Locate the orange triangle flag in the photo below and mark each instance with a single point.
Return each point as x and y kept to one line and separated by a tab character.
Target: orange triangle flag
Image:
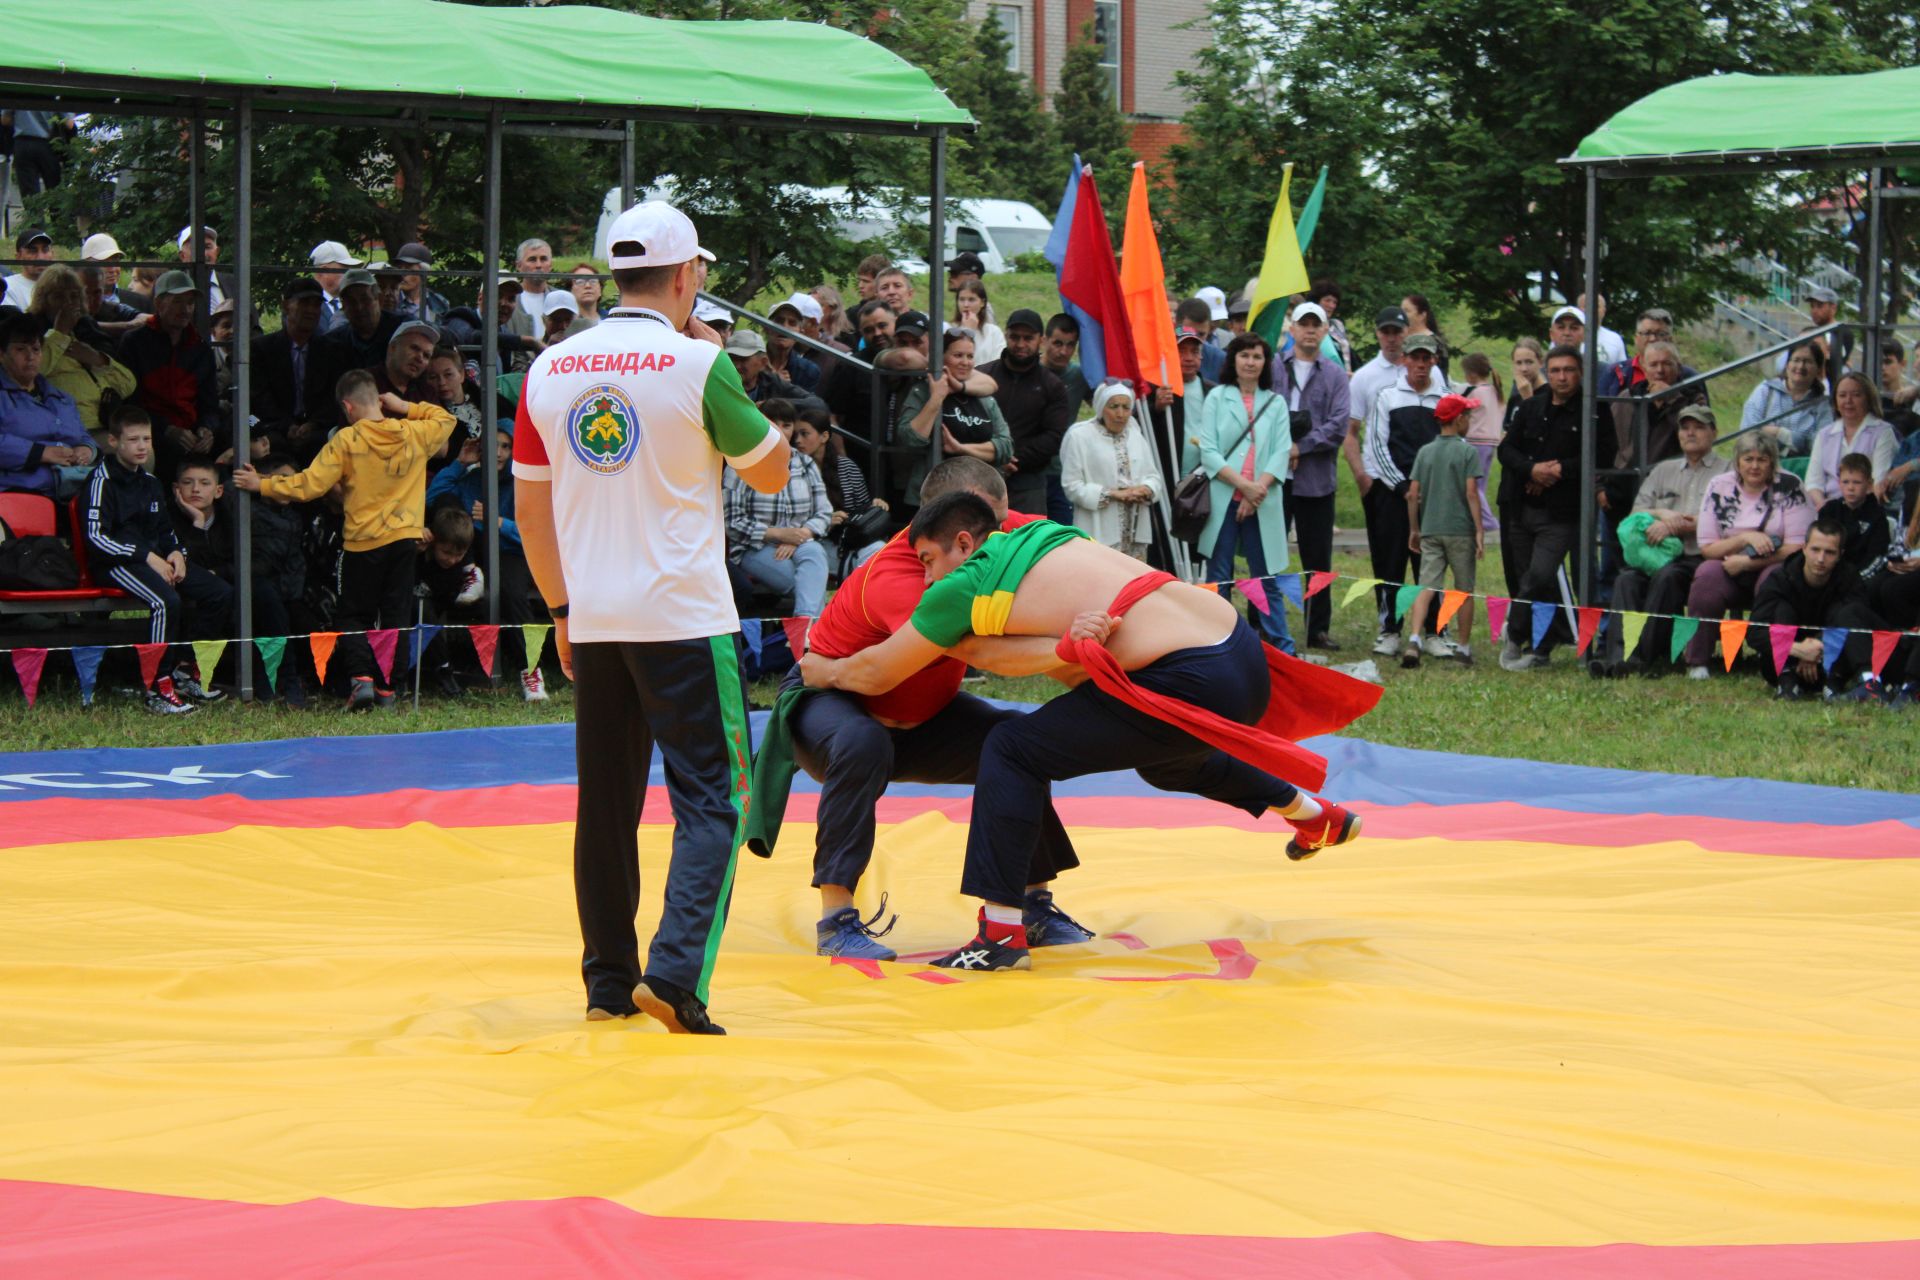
1450	603
322	642
1143	285
1733	633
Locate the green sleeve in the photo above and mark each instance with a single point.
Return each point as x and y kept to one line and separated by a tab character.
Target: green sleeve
734	423
945	613
910	406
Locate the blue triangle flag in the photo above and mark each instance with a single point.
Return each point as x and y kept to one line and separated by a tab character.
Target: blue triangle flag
750	632
1832	641
1542	621
1293	588
417	642
86	665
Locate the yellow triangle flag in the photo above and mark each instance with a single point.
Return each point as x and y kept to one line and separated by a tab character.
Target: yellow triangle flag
206	656
1631	625
536	637
1282	271
1358	588
1449	605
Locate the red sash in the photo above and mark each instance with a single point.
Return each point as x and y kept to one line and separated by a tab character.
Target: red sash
1304	700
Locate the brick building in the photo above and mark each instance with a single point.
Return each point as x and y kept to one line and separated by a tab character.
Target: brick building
1144	43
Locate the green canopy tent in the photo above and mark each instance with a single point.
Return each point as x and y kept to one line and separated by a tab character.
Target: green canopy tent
563	70
1733	124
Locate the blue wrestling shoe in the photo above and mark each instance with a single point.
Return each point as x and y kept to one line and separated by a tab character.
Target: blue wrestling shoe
1049	926
844	933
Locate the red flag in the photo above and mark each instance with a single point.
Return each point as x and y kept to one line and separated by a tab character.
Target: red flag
150	655
1883	645
28	664
1090	279
1589	616
485	640
796	629
1318	581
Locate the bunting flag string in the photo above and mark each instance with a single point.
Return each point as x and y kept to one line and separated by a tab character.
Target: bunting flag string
273	650
28	664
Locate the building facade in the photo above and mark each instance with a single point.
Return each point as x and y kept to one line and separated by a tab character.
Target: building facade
1143	42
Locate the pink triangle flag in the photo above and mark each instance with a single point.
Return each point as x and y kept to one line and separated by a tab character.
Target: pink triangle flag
384	641
1781	635
28	664
1256	593
1497	615
486	640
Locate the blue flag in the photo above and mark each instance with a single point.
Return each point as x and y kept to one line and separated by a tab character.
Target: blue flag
1542	619
417	642
1832	641
1093	339
1291	586
750	632
86	664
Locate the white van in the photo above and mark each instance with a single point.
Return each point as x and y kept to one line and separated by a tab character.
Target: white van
998	230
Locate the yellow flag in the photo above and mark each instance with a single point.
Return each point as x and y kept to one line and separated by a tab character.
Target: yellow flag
1358	588
536	638
1631	625
1282	272
206	656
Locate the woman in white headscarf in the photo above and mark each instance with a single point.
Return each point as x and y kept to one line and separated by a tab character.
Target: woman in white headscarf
1110	474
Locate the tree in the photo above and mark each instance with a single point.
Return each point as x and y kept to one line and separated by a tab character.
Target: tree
1091	125
1016	155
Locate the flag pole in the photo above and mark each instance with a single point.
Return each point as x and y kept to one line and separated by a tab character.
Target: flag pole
1176	549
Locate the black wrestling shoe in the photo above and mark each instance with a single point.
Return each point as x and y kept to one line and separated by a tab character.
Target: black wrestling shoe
674	1008
984	954
1049	926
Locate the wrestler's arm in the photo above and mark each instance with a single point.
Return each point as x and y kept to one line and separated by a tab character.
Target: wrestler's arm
1010	655
875	669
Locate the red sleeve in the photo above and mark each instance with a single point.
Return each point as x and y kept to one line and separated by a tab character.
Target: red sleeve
528	446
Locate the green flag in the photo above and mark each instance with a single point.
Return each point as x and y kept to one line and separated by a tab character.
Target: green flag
272	649
1403	600
1310	211
1683	629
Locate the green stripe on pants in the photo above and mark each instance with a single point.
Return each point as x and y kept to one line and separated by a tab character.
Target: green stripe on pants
733	721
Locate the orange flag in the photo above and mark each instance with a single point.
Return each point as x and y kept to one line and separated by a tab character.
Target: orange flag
322	642
1143	287
1733	632
1450	603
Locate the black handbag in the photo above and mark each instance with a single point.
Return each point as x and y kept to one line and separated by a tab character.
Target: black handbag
865	527
1193	500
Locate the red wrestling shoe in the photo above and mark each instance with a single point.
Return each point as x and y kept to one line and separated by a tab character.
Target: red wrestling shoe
1335	825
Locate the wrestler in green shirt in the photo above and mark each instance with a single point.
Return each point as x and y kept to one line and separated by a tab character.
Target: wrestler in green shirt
977	597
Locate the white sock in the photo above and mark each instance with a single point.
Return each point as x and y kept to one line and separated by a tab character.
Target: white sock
1303	809
1003	915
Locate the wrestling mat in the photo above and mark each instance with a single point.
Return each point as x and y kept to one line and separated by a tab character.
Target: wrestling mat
311	1009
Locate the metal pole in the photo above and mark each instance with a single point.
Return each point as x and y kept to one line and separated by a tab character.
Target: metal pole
626	165
197	210
1589	388
936	279
243	375
1873	311
1176	549
490	363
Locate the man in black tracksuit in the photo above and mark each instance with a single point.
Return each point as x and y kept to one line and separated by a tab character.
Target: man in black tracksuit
1540	487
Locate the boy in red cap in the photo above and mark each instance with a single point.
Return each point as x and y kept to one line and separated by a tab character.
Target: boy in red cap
1443	508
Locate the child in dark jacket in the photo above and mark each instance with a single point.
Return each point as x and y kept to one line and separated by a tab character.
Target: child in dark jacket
130	536
1868	534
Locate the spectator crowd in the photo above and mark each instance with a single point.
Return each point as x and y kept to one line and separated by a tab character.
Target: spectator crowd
369	406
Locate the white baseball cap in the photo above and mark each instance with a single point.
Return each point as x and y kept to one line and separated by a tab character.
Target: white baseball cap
1216	300
561	300
1575	312
711	313
329	251
1309	309
665	235
100	247
186	233
806	304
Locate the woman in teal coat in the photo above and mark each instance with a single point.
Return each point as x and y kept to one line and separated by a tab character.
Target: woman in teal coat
1249	515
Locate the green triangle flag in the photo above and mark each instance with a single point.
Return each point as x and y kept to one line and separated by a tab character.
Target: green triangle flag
1683	629
1357	588
536	635
1631	625
1403	600
206	656
272	649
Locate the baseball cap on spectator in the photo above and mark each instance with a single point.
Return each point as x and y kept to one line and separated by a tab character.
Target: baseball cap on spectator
711	313
171	282
414	326
745	342
665	235
966	264
1184	334
186	233
224	307
1422	342
331	253
1820	293
806	304
1216	300
100	247
302	287
508	282
357	276
1305	309
1575	312
911	322
33	235
414	254
1239	304
1026	318
1390	318
561	300
1696	413
1450	406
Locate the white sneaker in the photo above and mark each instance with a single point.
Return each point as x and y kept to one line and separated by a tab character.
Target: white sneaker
1513	657
1437	646
533	686
1387	643
473	585
1699	673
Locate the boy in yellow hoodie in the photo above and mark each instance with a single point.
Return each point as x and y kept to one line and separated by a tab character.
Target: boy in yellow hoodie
381	463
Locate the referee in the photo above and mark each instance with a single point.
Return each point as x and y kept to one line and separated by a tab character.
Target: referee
617	451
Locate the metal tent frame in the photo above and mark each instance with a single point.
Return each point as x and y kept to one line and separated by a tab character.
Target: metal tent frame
249	106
